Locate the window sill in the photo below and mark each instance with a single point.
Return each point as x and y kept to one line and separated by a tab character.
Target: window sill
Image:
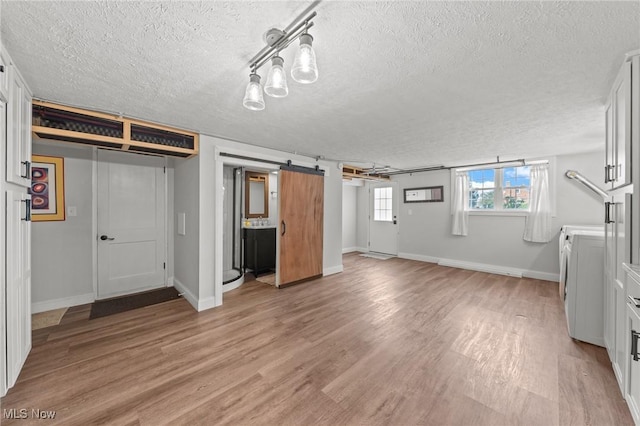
497	213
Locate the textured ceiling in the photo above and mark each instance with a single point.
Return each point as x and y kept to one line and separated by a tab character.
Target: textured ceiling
405	84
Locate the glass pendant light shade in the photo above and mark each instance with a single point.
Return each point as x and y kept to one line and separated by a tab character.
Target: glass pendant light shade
253	98
276	85
304	69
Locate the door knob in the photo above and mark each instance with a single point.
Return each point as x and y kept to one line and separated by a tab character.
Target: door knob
105	238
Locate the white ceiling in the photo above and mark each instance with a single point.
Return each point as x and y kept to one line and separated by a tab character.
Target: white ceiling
406	84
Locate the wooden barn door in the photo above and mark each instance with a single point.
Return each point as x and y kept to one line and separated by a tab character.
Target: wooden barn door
301	225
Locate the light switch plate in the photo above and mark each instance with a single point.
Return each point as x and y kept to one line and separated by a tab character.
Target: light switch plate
182	227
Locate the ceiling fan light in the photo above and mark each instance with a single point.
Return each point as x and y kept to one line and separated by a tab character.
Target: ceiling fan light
305	69
276	85
253	98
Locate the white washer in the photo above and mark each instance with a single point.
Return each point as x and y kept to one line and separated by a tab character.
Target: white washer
583	301
565	232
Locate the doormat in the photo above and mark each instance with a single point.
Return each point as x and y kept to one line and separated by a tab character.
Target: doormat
267	279
47	319
102	308
378	256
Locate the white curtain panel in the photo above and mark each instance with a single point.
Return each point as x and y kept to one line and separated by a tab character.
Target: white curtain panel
538	226
460	219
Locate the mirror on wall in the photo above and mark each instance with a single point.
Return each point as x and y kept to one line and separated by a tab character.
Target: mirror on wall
256	195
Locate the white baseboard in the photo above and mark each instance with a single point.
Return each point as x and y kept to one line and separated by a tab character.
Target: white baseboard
182	289
332	270
65	302
419	257
545	276
482	267
198	304
362	249
349	250
208	303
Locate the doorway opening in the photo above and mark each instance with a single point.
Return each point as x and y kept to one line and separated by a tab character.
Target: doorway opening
232	217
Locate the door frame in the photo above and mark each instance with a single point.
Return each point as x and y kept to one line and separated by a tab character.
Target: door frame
94	219
396	210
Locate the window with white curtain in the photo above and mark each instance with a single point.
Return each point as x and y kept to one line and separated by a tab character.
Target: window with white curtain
500	189
383	204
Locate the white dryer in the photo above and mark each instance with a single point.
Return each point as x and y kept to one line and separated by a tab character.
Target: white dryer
565	232
584	286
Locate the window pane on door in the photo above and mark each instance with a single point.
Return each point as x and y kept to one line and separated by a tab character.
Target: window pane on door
382	204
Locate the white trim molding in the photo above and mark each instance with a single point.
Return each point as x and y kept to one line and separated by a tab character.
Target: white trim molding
184	291
483	267
418	257
332	270
544	276
349	250
65	302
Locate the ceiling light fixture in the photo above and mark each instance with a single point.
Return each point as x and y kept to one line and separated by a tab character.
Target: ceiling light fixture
304	70
253	98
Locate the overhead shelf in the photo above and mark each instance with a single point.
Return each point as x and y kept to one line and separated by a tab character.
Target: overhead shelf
75	125
352	172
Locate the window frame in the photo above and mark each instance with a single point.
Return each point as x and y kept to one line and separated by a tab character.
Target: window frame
510	212
388	201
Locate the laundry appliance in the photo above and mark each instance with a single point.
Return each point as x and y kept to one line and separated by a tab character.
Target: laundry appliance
583	289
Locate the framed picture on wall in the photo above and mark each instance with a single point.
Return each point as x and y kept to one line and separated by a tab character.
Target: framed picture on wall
47	188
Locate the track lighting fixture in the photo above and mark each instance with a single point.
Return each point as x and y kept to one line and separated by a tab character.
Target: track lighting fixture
304	69
253	98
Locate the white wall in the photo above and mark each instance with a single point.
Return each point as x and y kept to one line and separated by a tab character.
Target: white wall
425	234
186	201
332	244
349	211
62	251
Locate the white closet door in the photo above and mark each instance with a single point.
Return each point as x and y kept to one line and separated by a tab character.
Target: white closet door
131	223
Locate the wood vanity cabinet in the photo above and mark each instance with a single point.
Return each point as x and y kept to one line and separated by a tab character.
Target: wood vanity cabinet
259	249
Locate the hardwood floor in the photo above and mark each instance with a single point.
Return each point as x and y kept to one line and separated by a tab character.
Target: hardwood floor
385	342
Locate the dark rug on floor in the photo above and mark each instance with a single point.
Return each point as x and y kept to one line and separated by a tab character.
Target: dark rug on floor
102	308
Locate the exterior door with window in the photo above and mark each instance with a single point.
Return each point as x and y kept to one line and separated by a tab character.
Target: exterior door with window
383	223
131	223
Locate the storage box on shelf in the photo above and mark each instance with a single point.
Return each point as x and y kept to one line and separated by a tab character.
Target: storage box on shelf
75	125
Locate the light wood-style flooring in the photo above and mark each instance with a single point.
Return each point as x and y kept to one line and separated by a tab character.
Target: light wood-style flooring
393	342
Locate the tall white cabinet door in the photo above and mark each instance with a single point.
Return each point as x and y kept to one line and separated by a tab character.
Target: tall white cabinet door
3	328
18	132
4	76
131	223
633	384
621	99
18	282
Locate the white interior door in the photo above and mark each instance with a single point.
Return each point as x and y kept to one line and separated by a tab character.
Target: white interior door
131	223
383	223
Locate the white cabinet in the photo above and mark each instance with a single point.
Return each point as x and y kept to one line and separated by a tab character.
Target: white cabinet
632	387
18	282
4	76
618	129
18	131
15	225
622	239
